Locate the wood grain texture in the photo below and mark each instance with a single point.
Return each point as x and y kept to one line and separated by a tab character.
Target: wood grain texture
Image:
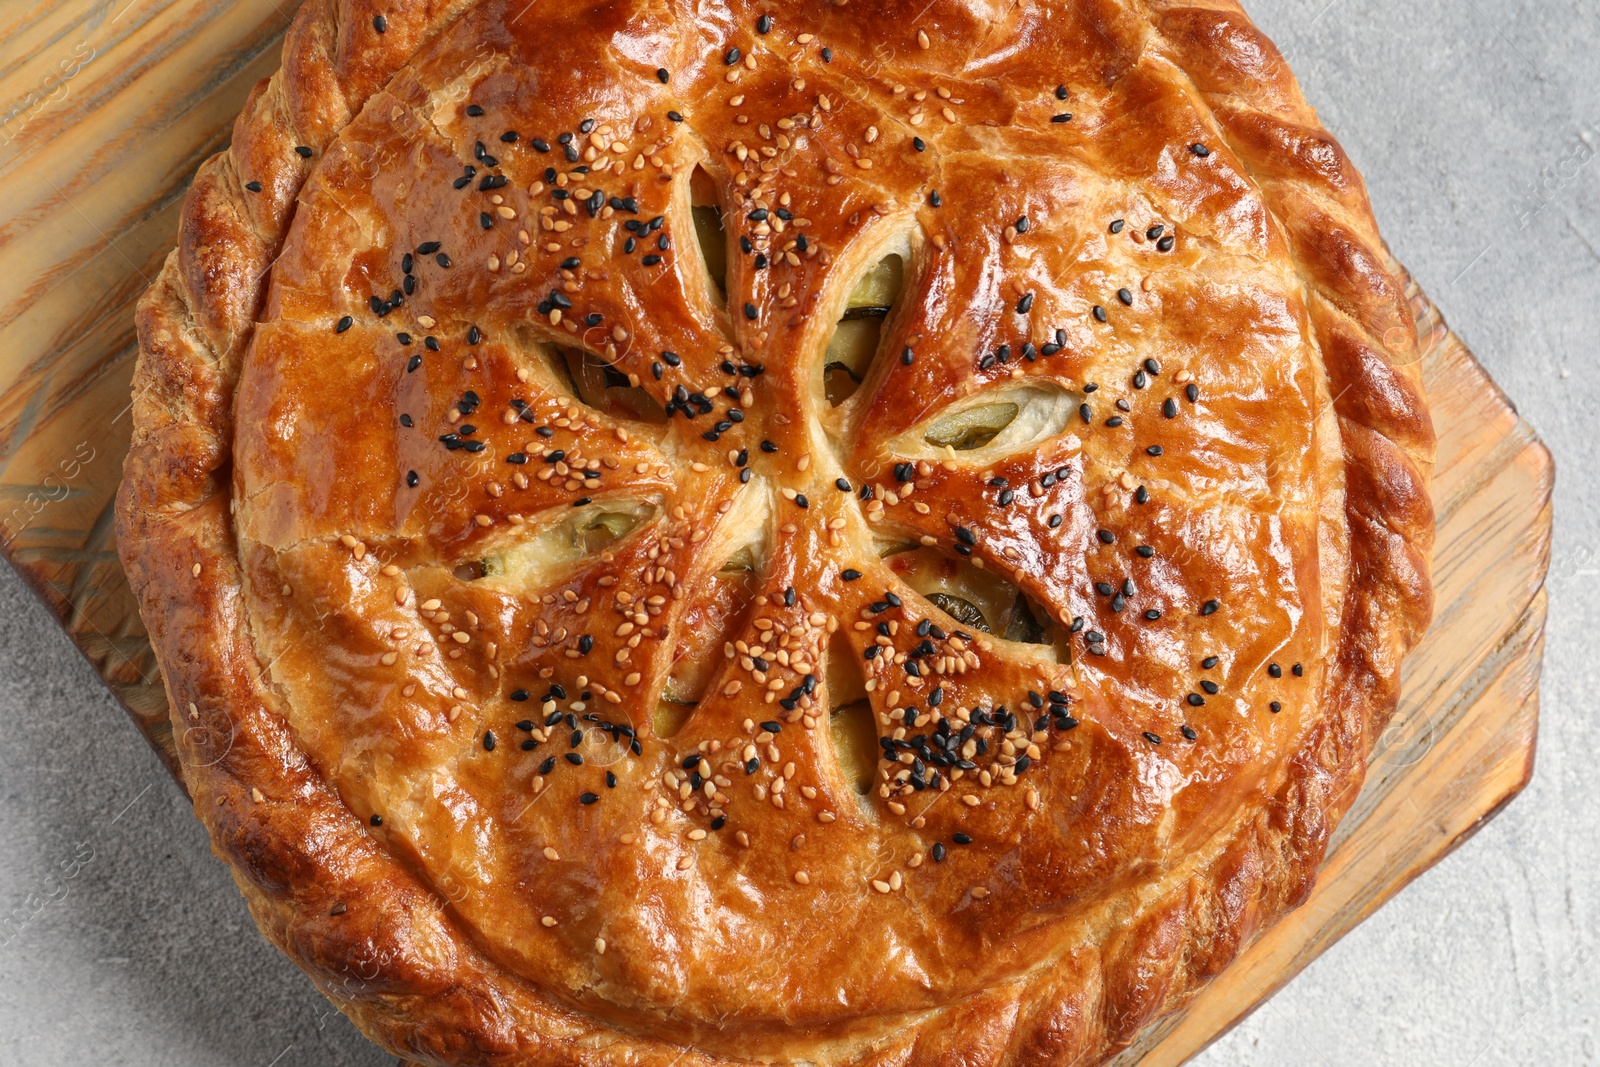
107	107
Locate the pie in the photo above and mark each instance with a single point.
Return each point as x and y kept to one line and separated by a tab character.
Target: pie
822	533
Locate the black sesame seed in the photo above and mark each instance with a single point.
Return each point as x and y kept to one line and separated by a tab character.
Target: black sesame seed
1276	707
1210	607
380	24
961	839
764	24
412	479
1200	150
1116	225
1209	662
850	574
488	741
1025	305
1188	732
934	199
343	324
919	144
587	798
1152	614
254	187
1165	244
733	56
1154	739
1099	313
1275	670
1145	551
661	73
302	151
750	311
1106	537
1153	450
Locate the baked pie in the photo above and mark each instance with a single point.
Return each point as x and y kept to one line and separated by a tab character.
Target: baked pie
822	533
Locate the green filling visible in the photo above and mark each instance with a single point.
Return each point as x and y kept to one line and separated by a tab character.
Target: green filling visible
713	243
971	428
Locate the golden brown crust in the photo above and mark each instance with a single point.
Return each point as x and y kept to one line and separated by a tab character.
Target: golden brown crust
275	557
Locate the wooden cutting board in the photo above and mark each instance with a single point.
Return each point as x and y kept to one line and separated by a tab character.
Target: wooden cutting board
108	106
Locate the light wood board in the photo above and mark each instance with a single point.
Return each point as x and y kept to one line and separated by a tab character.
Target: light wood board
108	106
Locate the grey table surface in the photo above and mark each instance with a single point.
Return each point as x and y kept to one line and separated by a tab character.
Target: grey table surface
1476	123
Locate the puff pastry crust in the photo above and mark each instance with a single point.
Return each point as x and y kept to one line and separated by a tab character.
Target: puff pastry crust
574	668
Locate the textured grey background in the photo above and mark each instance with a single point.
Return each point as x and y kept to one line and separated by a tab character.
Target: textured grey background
1475	123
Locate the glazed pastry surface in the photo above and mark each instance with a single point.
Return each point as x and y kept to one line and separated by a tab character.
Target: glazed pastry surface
844	534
